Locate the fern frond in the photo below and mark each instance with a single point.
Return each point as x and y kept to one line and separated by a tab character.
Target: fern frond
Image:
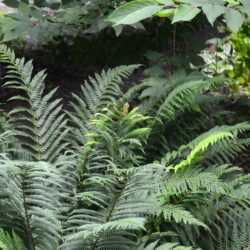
209	141
30	202
120	204
180	97
115	137
11	242
38	121
96	93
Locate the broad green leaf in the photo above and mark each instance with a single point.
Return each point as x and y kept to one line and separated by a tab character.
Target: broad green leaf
246	7
165	2
165	13
24	8
134	12
201	2
9	24
212	11
185	12
234	19
138	26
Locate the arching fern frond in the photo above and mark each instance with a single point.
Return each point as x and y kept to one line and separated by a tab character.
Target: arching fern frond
176	96
210	142
183	96
38	121
220	211
165	246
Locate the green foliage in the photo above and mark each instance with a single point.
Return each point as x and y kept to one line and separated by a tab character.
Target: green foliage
230	56
234	12
109	182
97	93
46	22
12	242
41	21
33	211
38	122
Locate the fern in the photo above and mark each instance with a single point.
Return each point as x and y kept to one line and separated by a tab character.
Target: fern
111	186
174	98
123	204
10	242
212	140
38	122
166	246
33	211
96	93
115	137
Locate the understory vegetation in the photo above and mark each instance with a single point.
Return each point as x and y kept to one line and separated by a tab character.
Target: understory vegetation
101	174
159	162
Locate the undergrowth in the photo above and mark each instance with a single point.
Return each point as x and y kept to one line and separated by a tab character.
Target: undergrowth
104	173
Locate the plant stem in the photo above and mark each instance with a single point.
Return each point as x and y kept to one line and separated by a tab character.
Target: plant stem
30	239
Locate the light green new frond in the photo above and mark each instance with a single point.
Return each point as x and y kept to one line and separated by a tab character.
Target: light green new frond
209	143
10	242
202	145
97	93
117	136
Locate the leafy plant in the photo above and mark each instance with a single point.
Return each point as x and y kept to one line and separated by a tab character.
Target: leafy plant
234	12
230	56
120	176
42	21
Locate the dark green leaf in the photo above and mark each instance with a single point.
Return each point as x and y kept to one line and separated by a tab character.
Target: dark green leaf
11	3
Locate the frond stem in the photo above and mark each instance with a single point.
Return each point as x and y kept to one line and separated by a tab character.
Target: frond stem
111	211
31	242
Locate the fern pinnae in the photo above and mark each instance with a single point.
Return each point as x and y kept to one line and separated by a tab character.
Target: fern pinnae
41	115
97	93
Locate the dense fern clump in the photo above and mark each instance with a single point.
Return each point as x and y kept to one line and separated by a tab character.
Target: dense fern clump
103	173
